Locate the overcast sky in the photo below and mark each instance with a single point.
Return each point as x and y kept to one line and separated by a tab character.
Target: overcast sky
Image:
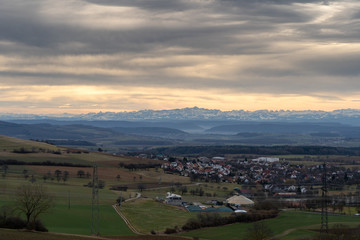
116	55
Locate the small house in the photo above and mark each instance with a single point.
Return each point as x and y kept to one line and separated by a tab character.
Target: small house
173	199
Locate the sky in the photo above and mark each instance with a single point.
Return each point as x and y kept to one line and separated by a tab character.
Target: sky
81	56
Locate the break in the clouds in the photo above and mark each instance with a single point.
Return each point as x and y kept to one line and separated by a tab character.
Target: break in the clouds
135	54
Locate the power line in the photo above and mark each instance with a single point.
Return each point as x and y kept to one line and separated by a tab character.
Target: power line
324	204
95	212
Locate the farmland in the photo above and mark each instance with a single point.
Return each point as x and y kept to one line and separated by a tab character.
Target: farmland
147	215
8	234
286	220
46	165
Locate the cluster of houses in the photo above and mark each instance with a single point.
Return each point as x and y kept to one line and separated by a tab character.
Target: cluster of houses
217	167
280	178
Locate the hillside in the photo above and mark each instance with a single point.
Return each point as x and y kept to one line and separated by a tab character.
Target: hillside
124	136
329	129
180	125
82	134
41	157
8	144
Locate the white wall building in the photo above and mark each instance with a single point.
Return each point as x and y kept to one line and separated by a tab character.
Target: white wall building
265	160
173	199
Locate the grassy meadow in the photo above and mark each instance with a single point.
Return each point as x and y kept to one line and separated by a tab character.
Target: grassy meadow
72	192
9	234
77	220
71	213
299	221
147	215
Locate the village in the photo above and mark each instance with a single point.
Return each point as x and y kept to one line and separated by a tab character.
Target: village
277	178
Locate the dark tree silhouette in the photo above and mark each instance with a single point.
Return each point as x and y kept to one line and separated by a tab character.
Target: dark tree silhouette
32	200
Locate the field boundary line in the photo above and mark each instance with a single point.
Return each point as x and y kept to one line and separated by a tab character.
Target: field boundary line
79	235
132	228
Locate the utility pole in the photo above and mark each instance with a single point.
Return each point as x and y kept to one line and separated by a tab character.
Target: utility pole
69	199
324	203
95	213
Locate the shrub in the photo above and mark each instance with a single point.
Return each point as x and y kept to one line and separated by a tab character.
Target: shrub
170	230
14	223
39	226
266	205
214	219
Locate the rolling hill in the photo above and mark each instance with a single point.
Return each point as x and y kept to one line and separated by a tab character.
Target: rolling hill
89	135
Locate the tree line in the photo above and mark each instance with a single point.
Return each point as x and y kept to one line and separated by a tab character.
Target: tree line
260	150
215	219
44	163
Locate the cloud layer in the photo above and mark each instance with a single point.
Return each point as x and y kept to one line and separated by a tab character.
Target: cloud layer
165	54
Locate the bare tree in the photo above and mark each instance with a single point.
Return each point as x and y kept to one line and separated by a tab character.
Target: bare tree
58	172
33	200
4	169
66	176
141	187
81	173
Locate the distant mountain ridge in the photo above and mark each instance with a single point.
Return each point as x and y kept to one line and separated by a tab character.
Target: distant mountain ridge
78	134
348	116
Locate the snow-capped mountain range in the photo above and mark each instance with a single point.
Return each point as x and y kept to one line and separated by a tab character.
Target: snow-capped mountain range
349	116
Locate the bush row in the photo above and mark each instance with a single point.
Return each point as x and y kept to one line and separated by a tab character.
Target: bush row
18	223
215	219
45	163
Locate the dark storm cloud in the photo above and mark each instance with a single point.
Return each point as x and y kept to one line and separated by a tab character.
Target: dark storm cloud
27	27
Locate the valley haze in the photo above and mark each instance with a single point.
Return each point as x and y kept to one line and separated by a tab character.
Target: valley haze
137	130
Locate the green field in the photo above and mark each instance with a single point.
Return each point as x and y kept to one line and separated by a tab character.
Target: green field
8	234
61	192
147	215
77	220
144	214
286	220
296	234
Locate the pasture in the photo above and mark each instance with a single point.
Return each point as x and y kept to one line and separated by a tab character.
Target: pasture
9	234
147	215
71	213
77	220
299	221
